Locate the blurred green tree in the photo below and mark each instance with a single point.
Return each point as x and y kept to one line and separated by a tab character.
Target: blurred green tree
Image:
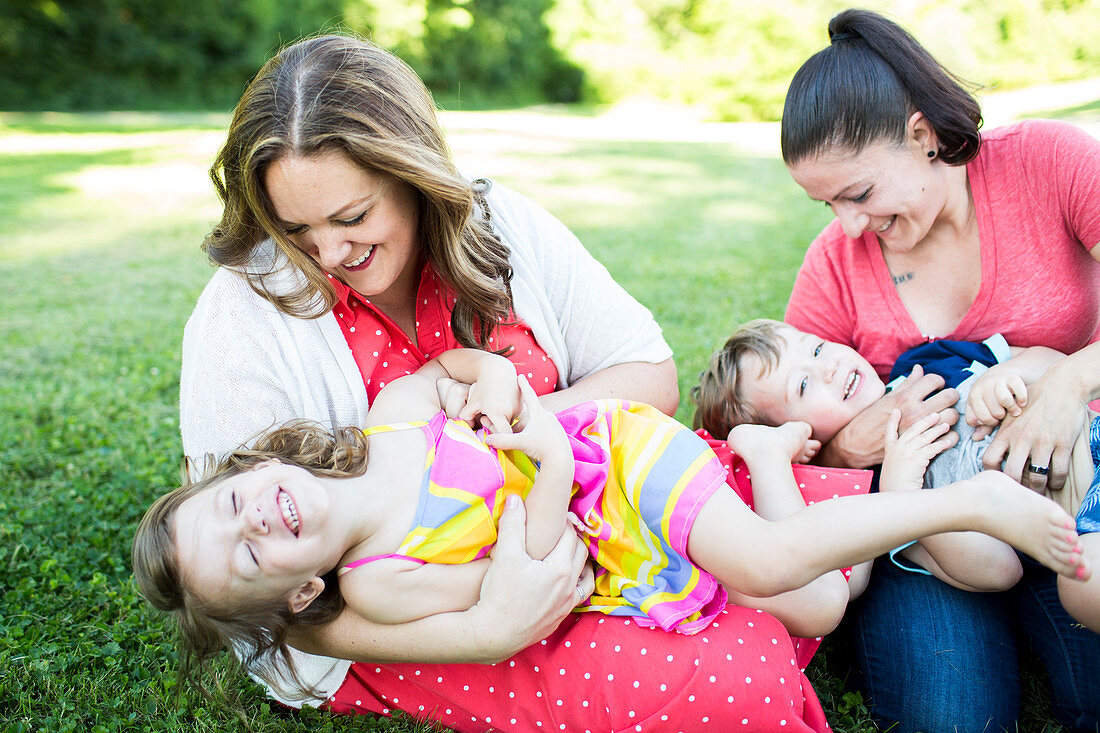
730	58
474	51
97	54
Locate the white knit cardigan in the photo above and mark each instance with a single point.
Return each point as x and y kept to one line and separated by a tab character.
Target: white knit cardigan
248	367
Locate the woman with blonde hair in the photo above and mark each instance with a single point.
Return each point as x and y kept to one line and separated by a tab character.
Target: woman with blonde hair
352	251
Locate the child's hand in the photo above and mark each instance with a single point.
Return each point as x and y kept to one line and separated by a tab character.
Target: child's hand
537	430
908	454
495	401
452	397
999	392
790	440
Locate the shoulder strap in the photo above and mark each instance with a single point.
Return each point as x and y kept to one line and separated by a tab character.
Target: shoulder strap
372	558
394	427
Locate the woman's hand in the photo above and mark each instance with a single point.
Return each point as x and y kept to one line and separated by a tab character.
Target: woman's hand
523	600
1042	436
860	444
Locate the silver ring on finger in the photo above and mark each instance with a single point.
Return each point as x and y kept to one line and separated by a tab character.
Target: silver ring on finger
1040	470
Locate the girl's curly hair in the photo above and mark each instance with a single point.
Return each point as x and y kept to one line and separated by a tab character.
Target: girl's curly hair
258	633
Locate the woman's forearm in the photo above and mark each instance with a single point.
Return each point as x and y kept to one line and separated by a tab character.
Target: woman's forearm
653	384
522	601
1079	372
460	637
856	453
1032	362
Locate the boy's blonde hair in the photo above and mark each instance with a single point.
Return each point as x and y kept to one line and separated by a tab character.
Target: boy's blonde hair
719	398
257	633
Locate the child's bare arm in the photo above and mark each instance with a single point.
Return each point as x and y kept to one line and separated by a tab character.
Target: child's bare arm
493	395
541	437
817	607
494	398
394	591
522	601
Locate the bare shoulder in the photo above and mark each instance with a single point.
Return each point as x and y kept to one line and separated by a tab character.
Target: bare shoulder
408	398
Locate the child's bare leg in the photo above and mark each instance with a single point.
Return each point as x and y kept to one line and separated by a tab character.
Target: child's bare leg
817	607
813	610
858	579
759	558
1082	600
1041	529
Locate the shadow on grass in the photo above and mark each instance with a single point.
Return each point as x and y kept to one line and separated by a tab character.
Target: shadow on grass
25	180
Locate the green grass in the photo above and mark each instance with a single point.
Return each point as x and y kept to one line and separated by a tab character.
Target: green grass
100	223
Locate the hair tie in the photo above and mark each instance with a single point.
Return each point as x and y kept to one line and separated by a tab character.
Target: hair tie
843	36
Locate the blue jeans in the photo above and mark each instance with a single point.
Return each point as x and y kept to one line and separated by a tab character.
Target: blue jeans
936	659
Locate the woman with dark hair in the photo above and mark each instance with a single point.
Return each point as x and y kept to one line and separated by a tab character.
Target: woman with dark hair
945	232
352	252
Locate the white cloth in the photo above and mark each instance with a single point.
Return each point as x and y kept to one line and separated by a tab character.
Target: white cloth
248	367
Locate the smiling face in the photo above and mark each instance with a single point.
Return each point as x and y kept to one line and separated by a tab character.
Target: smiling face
259	535
892	190
358	225
820	382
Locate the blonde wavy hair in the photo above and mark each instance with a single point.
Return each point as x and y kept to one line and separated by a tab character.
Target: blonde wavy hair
342	93
257	633
719	398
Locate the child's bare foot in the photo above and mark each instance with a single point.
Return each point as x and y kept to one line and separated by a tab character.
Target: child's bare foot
1031	523
791	439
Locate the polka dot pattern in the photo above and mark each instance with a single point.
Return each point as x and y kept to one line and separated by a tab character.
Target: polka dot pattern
383	352
696	686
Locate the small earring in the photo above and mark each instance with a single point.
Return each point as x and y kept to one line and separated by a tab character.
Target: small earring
931	153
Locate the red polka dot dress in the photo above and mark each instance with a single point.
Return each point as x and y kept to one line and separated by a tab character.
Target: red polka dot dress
595	673
601	673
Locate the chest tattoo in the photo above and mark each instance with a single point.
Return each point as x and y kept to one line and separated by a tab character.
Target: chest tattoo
902	278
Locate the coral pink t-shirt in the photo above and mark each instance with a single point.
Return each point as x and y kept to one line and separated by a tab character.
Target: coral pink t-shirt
1036	190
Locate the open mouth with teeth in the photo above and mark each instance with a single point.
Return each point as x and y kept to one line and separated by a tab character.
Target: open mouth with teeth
888	225
360	260
289	512
854	380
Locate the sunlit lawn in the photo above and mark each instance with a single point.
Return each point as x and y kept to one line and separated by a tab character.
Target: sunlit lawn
101	218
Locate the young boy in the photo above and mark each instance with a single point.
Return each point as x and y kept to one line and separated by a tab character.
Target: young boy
770	373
